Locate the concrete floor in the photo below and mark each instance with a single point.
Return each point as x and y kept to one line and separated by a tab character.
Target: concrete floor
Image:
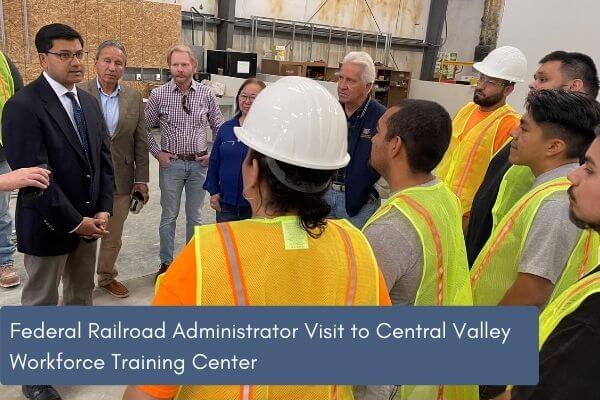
137	263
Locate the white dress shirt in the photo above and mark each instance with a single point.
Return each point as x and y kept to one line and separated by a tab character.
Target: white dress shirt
61	92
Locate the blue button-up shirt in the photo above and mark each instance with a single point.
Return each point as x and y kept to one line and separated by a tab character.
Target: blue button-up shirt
110	107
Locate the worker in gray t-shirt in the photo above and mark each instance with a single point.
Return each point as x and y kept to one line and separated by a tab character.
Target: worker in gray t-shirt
532	248
416	235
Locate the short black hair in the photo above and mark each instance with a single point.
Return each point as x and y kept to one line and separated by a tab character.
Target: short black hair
569	116
577	66
45	37
426	129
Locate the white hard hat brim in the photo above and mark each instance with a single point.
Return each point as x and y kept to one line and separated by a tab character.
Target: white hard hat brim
481	67
246	137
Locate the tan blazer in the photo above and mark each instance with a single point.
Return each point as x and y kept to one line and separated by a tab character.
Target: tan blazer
129	144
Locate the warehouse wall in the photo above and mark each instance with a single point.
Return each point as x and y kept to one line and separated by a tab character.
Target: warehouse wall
464	26
560	27
405	18
146	29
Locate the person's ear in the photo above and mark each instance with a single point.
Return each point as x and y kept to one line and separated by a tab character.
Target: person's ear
576	85
555	146
396	146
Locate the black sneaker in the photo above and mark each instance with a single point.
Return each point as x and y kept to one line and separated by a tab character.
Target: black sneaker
161	270
40	392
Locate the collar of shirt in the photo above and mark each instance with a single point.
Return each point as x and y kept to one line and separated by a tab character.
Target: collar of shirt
432	182
58	88
563	170
115	92
174	86
360	111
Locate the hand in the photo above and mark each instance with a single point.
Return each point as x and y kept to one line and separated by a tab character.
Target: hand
215	202
24	177
164	159
104	216
91	228
143	189
203	160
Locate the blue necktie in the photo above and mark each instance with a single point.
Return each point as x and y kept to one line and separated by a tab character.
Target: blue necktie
81	126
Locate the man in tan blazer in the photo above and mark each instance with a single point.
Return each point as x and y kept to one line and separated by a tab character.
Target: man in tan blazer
124	115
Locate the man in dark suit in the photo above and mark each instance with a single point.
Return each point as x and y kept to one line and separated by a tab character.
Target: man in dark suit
52	124
124	115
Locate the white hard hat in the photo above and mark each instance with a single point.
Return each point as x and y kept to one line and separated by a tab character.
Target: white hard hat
297	121
506	62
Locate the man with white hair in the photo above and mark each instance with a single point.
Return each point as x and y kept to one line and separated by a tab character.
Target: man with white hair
352	194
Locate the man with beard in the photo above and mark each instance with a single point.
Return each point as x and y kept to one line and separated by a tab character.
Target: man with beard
557	70
570	325
185	110
482	127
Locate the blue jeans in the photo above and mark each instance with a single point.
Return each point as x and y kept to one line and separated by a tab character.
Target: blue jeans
7	247
233	213
172	180
337	201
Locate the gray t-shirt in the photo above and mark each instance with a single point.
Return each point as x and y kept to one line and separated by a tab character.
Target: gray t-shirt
552	236
399	253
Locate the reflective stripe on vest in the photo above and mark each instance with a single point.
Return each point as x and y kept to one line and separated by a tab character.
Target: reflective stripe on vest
7	86
496	267
254	277
466	161
434	212
583	259
437	242
566	303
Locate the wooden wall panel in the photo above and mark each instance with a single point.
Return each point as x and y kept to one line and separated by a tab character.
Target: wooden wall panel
147	29
132	24
13	26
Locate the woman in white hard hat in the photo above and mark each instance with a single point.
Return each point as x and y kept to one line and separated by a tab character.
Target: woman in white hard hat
297	135
224	176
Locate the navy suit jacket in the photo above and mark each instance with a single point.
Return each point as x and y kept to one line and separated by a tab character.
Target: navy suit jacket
37	131
360	177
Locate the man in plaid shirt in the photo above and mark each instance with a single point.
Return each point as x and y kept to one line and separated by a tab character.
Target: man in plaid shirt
185	110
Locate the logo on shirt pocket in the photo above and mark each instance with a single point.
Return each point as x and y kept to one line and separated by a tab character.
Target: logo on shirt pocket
366	134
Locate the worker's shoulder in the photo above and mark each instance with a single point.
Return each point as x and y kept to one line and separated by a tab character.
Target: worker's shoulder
393	223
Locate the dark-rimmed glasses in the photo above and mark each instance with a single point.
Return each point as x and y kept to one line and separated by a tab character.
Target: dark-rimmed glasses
68	56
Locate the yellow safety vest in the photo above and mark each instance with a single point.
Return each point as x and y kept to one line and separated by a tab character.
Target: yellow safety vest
467	159
566	303
290	268
497	266
434	212
7	86
516	182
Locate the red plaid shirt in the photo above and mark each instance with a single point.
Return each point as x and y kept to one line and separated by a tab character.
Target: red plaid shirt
180	132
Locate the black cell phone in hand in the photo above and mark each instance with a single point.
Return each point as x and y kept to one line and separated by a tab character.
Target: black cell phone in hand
31	192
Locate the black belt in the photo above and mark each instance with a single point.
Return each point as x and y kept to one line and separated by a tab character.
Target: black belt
190	157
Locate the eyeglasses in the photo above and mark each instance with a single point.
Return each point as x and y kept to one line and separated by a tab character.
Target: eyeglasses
244	98
185	103
485	80
68	56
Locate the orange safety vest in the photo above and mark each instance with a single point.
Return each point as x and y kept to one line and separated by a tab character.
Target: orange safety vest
467	159
289	268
